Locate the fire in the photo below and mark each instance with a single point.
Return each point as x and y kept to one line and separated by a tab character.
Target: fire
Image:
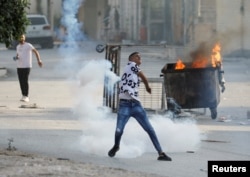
202	57
179	64
200	62
216	55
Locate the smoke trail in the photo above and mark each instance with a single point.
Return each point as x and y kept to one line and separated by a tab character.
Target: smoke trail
70	22
70	48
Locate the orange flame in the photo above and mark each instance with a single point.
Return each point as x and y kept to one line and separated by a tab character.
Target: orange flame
203	58
200	62
216	55
179	64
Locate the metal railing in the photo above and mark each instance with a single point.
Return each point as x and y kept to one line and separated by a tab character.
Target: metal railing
154	58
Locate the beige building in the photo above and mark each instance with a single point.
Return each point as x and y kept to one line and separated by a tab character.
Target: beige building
233	24
176	22
91	13
225	21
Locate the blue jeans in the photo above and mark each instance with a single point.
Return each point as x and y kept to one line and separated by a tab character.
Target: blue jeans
127	109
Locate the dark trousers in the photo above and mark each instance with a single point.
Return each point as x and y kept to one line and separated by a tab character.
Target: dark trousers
23	77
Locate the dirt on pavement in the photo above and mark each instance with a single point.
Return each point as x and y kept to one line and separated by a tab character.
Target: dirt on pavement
15	163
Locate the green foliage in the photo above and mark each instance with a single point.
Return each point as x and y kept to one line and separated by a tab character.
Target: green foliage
13	20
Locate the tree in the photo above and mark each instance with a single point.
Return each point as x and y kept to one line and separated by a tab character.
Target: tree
13	20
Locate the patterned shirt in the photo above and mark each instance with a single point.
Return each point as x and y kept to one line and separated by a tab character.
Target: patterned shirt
130	82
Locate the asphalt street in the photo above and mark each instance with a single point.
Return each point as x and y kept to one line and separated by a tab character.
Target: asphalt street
49	124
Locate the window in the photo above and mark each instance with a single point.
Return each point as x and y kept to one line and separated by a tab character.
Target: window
157	9
37	21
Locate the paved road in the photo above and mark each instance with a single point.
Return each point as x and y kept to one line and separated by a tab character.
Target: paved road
64	124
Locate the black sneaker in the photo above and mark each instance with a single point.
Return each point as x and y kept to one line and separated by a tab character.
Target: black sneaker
164	157
112	151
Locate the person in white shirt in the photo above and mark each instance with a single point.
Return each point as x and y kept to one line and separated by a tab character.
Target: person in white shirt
130	106
24	64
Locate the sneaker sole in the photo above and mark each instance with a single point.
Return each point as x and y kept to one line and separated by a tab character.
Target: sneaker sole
112	153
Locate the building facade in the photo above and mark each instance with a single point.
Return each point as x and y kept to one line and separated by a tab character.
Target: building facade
233	25
172	22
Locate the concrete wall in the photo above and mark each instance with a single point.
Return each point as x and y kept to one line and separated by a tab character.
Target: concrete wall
91	15
205	22
57	4
233	28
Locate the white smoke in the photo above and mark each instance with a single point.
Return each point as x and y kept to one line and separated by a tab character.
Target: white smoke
70	22
98	122
89	88
70	49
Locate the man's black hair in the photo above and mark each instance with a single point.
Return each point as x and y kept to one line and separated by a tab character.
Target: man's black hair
134	53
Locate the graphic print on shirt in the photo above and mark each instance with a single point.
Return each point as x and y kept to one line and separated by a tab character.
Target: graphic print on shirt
130	81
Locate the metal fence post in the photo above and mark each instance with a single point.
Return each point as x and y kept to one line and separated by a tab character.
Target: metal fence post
113	54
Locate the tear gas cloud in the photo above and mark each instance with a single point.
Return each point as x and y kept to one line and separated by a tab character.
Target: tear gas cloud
70	49
97	121
70	22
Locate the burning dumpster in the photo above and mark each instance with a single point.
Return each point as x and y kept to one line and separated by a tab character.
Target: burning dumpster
193	87
196	84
